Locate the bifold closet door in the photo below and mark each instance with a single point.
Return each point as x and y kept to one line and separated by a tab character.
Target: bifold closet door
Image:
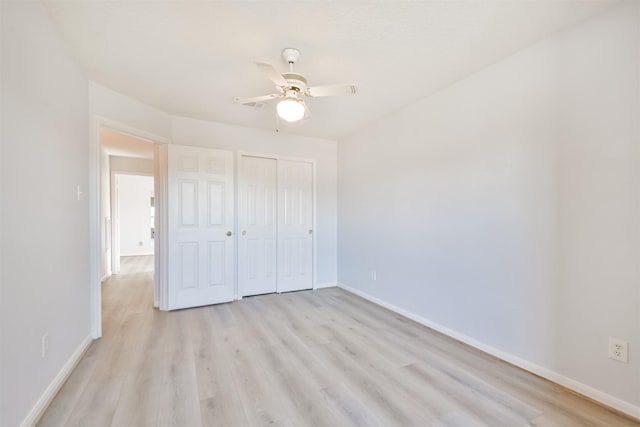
295	225
200	226
257	226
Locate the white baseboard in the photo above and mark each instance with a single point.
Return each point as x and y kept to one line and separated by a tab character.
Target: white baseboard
325	285
45	400
140	254
571	384
105	277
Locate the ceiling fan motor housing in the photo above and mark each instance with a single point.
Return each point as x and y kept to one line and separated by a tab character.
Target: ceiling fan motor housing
296	81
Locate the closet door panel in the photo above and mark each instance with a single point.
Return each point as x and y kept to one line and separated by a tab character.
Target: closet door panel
295	225
257	225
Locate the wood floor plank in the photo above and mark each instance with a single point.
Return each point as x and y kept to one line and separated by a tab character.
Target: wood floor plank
262	406
138	403
309	358
388	404
178	402
354	411
97	404
223	410
211	365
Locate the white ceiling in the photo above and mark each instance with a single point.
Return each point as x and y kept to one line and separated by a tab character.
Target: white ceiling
119	144
191	58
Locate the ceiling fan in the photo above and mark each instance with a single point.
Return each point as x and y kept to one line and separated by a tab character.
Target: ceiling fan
291	89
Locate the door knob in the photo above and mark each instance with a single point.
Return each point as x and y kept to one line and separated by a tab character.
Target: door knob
244	232
229	233
310	231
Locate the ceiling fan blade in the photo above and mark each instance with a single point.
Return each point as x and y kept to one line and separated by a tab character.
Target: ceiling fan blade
272	73
257	99
307	112
332	90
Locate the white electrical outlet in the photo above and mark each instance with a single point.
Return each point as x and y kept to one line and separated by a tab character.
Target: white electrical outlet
618	350
374	276
79	193
45	344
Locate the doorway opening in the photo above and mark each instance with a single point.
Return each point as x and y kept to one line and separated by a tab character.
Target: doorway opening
133	221
128	220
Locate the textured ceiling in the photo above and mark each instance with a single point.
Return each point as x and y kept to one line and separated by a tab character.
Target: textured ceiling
191	58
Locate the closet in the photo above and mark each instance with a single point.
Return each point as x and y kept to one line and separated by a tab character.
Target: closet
275	224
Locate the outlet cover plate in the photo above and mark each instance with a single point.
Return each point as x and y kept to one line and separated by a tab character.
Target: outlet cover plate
619	350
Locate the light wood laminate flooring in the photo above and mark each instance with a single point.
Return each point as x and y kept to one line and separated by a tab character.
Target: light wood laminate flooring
311	358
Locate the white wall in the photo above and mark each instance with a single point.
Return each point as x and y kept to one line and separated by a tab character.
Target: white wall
131	165
236	138
127	111
599	200
505	207
134	193
45	242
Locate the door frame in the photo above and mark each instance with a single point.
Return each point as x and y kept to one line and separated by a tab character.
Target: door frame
239	181
97	122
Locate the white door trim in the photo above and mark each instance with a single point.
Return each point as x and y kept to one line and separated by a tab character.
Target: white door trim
161	259
95	222
281	157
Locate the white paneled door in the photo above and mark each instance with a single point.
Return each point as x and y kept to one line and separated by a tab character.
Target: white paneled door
201	224
295	225
257	226
275	218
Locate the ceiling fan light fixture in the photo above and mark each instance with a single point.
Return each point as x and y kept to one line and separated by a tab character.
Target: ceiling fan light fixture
291	89
290	110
